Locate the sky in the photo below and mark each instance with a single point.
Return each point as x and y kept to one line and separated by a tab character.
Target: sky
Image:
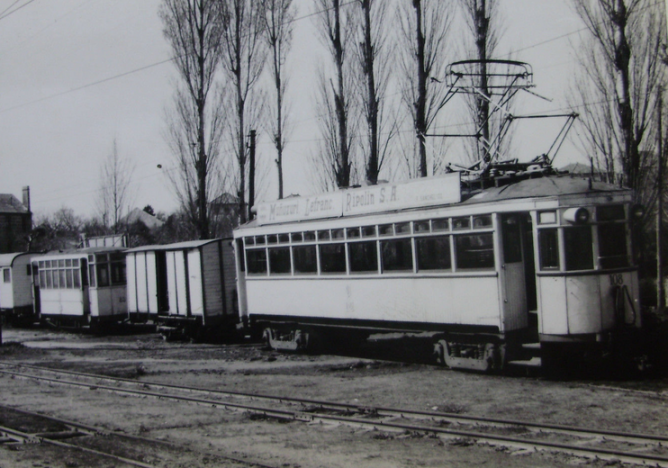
75	75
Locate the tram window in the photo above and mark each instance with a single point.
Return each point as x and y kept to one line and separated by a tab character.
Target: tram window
363	256
54	274
548	243
440	225
49	279
118	273
68	262
353	233
259	240
283	238
309	236
578	248
610	213
63	278
6	275
397	255
70	282
461	223
368	231
385	230
482	222
77	278
256	259
433	253
61	263
475	251
75	262
323	236
272	239
402	228
333	258
91	274
41	263
102	275
612	245
42	279
304	259
337	234
512	240
421	226
297	237
249	240
279	260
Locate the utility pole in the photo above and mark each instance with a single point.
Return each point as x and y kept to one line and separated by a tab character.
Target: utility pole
660	293
251	175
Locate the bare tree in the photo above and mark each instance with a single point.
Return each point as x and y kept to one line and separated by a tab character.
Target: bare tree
193	29
335	95
621	73
243	60
425	25
279	15
115	188
483	19
374	59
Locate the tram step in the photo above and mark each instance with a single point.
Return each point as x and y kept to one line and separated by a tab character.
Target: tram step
533	362
531	346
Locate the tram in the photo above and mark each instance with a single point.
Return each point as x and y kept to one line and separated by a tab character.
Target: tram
528	270
81	287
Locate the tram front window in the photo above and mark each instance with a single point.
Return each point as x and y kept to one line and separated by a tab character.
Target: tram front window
397	255
304	260
433	253
279	260
256	260
578	248
612	246
548	241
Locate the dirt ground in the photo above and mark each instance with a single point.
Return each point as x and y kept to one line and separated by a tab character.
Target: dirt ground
369	376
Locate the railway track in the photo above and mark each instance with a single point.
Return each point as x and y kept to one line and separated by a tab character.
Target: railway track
643	449
137	451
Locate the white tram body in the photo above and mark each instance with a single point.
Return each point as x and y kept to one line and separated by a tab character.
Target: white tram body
15	285
187	287
83	286
537	263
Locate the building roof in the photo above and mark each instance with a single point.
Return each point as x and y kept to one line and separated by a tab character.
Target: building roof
10	204
149	220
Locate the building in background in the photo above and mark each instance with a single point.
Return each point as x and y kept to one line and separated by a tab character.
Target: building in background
15	222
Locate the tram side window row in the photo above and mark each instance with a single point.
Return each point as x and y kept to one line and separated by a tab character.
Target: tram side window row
398	247
59	274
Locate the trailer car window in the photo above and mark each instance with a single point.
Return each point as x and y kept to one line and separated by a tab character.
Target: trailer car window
118	272
363	257
612	245
433	253
91	273
548	242
397	255
578	248
256	260
102	275
475	251
304	259
333	258
6	275
279	260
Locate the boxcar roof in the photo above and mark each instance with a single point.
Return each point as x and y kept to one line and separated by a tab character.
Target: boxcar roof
6	260
176	246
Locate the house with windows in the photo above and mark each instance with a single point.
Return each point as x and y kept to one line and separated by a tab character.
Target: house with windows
15	222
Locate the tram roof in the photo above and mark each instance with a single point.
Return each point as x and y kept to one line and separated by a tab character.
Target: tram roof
538	187
176	246
6	260
543	187
81	252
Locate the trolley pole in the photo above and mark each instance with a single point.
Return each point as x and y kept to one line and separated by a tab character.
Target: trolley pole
251	175
660	292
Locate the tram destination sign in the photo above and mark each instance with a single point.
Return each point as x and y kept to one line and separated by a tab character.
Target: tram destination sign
364	200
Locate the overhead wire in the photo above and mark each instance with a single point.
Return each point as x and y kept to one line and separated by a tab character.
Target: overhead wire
4	15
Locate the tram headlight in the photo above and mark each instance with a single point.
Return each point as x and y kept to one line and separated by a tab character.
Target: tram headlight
576	215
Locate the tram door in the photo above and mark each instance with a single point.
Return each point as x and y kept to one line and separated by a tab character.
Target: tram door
519	270
161	283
